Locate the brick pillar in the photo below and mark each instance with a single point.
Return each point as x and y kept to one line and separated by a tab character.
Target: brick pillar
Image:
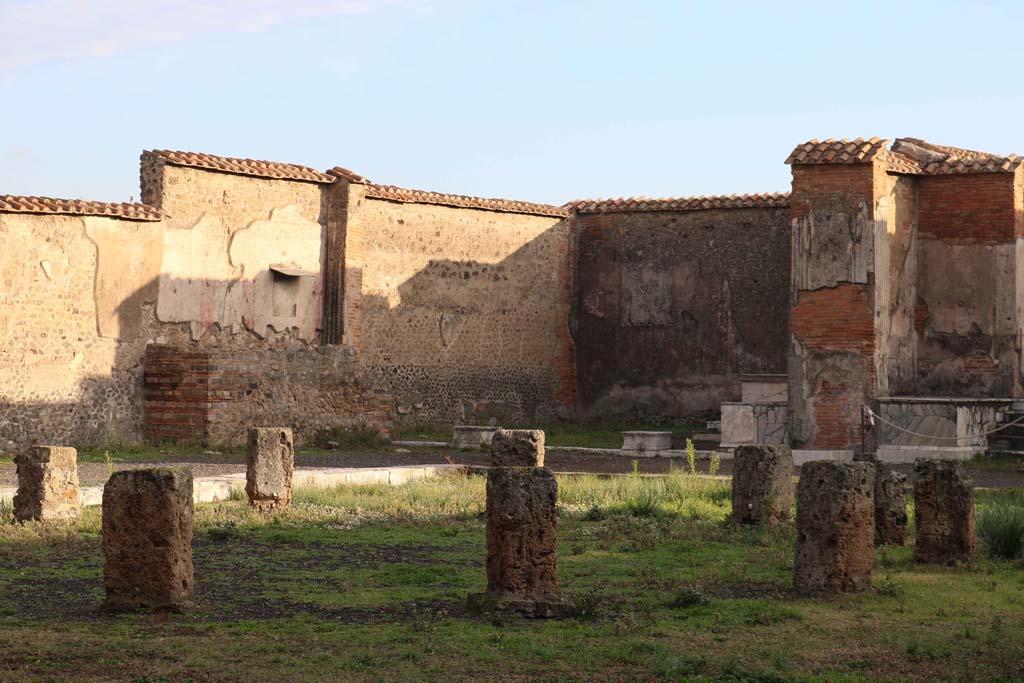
762	484
835	527
147	539
47	484
269	467
943	512
833	337
522	519
890	506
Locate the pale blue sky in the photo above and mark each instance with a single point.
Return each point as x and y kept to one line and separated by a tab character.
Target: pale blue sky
542	101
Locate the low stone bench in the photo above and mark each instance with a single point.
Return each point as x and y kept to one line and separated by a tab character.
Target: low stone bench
469	436
646	444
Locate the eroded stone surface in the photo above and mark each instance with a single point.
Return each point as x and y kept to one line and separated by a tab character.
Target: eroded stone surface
47	484
517	448
943	512
835	525
270	465
522	565
890	506
147	539
762	484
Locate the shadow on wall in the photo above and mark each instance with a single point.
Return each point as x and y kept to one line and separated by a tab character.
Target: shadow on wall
459	340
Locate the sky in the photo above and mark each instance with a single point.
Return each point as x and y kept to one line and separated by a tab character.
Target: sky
540	101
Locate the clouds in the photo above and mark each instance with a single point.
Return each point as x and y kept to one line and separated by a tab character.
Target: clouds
33	31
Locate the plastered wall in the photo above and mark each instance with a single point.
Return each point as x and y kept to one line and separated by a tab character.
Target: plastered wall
463	313
672	305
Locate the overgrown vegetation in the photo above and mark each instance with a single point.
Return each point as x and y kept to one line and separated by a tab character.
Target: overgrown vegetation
357	437
1001	529
367	583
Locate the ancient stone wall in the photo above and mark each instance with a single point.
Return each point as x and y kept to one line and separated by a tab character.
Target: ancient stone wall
967	310
72	294
464	312
672	306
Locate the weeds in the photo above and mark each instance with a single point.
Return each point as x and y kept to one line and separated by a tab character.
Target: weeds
1001	527
351	438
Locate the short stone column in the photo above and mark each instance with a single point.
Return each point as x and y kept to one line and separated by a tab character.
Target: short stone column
147	539
890	506
943	512
835	527
47	484
762	484
269	467
522	566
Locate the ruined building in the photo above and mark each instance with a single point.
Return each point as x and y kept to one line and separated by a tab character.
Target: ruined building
246	292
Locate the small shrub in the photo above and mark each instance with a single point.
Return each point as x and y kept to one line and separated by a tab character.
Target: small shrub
1001	527
595	513
644	504
691	456
715	463
690	596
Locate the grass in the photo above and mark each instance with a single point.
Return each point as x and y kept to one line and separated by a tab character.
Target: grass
997	461
367	584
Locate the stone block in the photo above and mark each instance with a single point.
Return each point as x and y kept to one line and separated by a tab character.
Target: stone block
522	565
468	436
943	512
762	484
517	448
269	467
835	527
147	539
47	484
890	506
646	443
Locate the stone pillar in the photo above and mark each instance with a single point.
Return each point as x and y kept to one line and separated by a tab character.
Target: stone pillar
147	539
522	567
943	512
269	467
890	506
835	527
762	484
47	484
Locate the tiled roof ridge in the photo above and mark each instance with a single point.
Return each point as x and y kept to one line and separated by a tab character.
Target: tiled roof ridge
832	151
944	160
406	195
697	203
78	207
274	170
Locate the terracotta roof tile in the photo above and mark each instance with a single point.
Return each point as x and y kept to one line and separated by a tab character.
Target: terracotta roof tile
899	163
942	160
858	151
401	194
78	207
346	175
627	204
250	167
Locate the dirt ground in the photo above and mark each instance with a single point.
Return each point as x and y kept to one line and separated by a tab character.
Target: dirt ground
212	464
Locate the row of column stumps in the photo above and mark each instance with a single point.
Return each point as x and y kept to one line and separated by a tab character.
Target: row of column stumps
844	510
522	521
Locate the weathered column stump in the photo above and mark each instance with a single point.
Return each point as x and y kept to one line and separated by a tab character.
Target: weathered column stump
943	512
890	506
269	467
762	484
835	527
47	484
147	540
522	567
